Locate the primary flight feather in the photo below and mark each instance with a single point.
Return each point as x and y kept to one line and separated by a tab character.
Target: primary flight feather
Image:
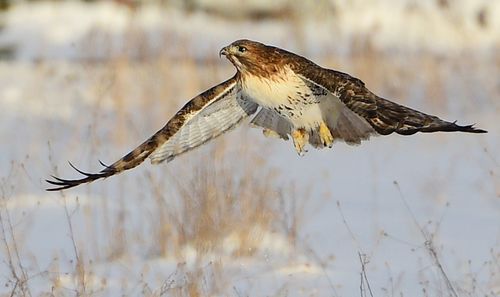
294	97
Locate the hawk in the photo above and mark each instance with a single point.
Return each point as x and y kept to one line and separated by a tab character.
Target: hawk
291	96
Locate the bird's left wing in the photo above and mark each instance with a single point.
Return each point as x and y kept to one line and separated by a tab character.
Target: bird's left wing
205	117
384	116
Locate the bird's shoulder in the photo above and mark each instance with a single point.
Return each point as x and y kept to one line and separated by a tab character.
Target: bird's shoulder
326	77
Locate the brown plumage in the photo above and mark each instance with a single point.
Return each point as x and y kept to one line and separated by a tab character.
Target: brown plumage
296	97
384	116
139	154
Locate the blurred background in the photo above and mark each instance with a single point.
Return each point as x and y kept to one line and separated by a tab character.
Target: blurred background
83	81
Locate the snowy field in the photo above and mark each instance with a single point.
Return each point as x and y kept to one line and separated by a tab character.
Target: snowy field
245	216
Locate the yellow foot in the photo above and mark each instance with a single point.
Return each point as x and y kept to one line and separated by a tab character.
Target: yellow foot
325	135
300	138
270	133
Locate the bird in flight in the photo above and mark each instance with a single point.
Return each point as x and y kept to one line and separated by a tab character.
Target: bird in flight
291	96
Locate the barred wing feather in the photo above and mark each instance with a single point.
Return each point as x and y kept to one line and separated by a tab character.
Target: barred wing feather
205	117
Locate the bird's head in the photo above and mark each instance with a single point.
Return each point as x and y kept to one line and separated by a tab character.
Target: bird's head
251	56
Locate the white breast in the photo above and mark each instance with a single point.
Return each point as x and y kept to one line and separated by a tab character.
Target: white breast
289	95
274	91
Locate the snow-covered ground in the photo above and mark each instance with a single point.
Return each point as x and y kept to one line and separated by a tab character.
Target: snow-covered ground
72	29
296	226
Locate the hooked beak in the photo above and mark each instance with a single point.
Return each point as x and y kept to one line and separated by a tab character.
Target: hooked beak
223	51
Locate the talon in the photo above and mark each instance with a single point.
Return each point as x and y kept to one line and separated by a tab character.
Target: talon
300	138
270	133
325	135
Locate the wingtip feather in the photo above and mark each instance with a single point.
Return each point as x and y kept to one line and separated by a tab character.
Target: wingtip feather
469	128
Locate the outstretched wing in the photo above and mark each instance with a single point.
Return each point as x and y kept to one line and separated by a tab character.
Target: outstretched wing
383	115
205	117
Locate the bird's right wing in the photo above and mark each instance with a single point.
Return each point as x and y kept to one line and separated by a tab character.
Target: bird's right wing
211	121
205	117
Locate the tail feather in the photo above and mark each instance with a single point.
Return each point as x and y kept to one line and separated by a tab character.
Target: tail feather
350	127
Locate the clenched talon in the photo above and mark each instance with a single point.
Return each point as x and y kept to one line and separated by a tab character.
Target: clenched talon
270	133
325	135
300	138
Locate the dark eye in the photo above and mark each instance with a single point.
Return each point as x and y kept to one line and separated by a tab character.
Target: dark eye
242	49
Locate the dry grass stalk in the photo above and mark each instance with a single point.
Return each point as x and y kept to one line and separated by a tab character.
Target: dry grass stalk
220	206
